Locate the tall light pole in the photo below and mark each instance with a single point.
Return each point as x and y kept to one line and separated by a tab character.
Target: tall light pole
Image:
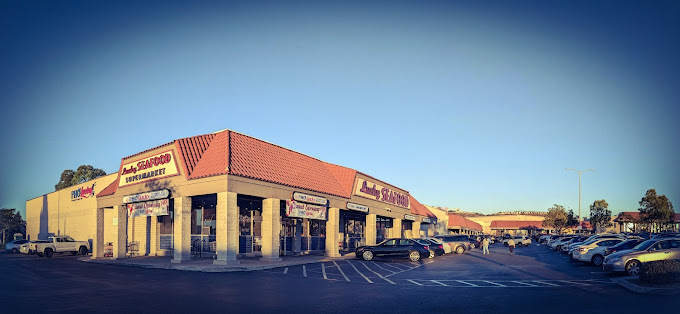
579	190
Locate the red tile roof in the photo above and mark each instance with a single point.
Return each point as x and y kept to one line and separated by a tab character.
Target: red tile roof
628	216
460	222
419	209
191	150
514	224
212	152
110	189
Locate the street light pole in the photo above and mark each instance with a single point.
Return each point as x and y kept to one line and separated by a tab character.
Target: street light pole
579	190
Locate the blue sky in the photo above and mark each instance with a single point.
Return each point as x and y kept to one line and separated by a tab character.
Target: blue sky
479	106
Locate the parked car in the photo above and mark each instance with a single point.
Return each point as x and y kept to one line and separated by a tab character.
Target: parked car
60	244
630	261
519	241
437	247
594	252
411	248
459	243
25	248
625	245
557	243
13	246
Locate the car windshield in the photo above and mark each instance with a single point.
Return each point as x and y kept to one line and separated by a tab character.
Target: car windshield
423	242
644	245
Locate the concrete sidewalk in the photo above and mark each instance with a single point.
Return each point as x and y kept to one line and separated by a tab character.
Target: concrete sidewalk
630	284
205	264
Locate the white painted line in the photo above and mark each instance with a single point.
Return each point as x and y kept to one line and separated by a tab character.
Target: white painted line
599	272
547	283
360	273
575	282
467	283
408	269
341	272
323	270
304	271
379	275
285	271
493	283
415	282
385	269
524	283
440	283
392	266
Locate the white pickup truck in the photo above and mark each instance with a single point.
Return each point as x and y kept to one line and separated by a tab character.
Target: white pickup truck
59	244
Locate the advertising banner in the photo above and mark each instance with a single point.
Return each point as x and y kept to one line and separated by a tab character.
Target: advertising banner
309	198
148	196
150	208
302	210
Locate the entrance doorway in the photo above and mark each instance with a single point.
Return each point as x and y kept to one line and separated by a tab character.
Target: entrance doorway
203	224
353	228
250	224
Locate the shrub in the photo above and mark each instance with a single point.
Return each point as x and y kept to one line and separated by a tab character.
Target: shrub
660	272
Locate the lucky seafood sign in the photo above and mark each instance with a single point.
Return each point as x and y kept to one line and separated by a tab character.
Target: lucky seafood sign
380	193
149	168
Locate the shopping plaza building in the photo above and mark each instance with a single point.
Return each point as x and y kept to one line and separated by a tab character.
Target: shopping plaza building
228	195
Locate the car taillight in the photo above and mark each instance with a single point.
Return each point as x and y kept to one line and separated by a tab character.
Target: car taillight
427	247
441	247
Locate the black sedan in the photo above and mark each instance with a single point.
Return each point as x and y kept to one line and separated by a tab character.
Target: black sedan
625	245
413	249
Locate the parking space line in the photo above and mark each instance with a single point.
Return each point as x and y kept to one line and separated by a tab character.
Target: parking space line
574	282
440	283
379	275
385	269
360	273
341	272
524	283
547	283
323	270
285	271
467	283
493	283
415	282
304	271
392	266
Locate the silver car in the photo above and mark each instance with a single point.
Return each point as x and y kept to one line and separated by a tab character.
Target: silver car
631	260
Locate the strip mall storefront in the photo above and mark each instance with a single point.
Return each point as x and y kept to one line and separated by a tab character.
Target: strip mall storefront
226	195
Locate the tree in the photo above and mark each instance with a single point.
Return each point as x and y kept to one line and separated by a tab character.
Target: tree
600	215
572	220
11	223
82	174
556	218
656	209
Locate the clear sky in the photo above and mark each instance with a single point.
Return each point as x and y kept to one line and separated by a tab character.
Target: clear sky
479	105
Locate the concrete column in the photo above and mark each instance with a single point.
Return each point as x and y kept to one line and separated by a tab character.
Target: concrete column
154	236
271	229
182	230
396	228
98	240
120	227
227	215
332	230
371	230
415	229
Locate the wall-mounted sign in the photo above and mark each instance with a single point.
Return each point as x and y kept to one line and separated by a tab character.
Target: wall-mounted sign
309	198
150	208
380	193
150	168
409	217
148	196
429	220
83	192
357	207
302	210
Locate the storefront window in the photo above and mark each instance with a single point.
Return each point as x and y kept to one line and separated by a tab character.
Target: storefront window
317	228
383	226
203	214
250	223
166	228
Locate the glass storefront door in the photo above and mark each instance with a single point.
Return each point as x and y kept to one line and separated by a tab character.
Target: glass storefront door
203	224
383	226
406	229
353	228
250	224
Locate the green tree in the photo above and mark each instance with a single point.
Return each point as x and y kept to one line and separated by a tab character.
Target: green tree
572	220
556	218
600	215
656	210
82	174
11	223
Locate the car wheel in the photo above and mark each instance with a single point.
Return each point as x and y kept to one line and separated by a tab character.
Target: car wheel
83	250
48	253
15	251
414	256
633	268
597	260
31	252
460	250
432	254
367	255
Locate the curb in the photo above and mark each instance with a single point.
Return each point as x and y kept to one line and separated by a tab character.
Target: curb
624	282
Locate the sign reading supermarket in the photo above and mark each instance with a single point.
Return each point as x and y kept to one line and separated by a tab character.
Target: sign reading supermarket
145	169
372	190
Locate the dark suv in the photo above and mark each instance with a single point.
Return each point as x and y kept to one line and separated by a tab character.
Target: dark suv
459	242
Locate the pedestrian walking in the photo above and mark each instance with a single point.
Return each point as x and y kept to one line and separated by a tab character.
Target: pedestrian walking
511	246
485	246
